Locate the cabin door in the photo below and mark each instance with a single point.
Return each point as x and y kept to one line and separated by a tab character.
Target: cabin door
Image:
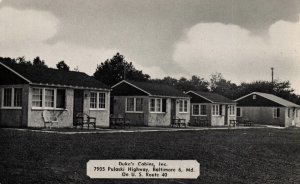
226	115
173	109
78	103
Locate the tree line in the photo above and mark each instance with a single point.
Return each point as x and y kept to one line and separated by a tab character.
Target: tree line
37	62
113	70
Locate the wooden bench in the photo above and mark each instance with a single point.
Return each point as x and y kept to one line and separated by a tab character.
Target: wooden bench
84	119
178	122
118	121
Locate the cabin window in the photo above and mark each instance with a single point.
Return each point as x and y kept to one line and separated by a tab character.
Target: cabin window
130	104
97	100
215	110
183	106
291	113
199	110
93	100
276	112
17	97
134	104
221	110
254	97
7	97
139	103
152	105
12	97
203	110
196	111
239	112
49	98
102	97
231	110
156	105
37	97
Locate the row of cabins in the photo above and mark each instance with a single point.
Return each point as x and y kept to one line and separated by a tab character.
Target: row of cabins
27	91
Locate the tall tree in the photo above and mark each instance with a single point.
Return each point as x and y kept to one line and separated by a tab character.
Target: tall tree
218	84
196	83
39	63
62	66
115	69
199	84
23	61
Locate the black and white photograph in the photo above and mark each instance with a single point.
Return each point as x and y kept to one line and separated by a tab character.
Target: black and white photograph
150	91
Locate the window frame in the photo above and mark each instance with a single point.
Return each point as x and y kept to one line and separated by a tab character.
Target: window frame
200	106
12	98
193	107
231	110
98	100
215	111
183	106
43	101
155	105
54	98
134	105
101	102
94	101
241	112
16	98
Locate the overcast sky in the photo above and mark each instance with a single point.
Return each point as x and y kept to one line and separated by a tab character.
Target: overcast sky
242	39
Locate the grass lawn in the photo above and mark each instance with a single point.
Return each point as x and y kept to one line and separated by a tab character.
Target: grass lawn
239	156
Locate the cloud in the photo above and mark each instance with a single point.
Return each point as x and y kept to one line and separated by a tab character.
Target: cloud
26	26
25	33
238	54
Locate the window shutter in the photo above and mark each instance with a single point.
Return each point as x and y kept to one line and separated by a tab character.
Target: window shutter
220	110
278	112
164	105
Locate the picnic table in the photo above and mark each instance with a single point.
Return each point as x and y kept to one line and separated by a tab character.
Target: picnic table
118	121
244	122
200	122
178	122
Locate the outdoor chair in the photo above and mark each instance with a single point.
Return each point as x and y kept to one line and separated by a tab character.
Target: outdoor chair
49	119
84	119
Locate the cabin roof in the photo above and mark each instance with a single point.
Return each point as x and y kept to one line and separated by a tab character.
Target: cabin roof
212	97
154	89
50	76
273	98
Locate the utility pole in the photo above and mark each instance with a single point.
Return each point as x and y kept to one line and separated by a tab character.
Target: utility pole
272	70
124	77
